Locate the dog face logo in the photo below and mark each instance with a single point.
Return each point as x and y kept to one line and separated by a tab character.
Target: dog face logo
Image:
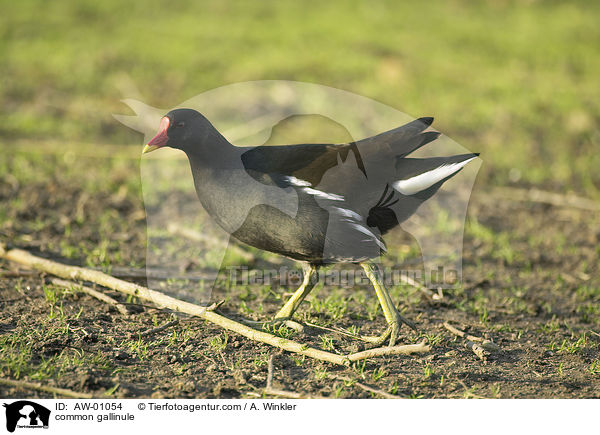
26	414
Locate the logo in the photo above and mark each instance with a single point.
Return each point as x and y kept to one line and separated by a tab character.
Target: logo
26	414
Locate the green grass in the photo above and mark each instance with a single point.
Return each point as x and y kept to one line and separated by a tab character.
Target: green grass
19	358
516	81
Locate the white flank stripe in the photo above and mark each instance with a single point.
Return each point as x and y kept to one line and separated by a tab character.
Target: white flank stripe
306	188
296	181
427	179
324	195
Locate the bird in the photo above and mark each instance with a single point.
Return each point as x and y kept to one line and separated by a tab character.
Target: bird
316	203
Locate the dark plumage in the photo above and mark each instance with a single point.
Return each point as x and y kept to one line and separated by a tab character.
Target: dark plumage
315	203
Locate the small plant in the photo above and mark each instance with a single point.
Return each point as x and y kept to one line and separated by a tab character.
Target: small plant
326	342
354	330
261	360
428	371
378	374
433	339
298	360
52	294
139	347
495	390
320	373
359	368
550	326
218	343
279	330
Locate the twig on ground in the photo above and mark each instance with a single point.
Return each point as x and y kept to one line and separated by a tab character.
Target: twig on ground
405	349
487	345
164	301
478	350
368	388
134	273
335	330
157	329
45	388
342	332
94	293
544	197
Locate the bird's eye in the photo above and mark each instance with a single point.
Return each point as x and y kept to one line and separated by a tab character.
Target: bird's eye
181	124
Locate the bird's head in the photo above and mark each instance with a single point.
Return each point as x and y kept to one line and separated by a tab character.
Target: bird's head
181	129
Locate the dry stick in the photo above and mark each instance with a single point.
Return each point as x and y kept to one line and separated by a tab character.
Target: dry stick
45	388
406	349
143	274
94	293
544	197
478	350
340	331
367	388
488	345
158	328
162	300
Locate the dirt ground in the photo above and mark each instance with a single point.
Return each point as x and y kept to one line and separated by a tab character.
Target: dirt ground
531	283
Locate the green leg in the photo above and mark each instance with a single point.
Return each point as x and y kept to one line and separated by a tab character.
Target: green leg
290	307
391	313
285	314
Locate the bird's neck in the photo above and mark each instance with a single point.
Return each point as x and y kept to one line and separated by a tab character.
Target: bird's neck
220	181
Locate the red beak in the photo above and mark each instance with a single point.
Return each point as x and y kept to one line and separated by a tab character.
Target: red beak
161	137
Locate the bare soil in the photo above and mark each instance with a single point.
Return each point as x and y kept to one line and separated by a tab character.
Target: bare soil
532	286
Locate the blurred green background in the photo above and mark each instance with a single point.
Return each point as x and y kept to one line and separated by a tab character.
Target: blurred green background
517	81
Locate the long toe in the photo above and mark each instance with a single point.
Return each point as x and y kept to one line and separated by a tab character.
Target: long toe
394	332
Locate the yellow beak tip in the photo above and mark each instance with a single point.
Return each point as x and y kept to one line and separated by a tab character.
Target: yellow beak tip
149	149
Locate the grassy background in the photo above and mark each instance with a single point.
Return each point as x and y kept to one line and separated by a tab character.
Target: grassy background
517	81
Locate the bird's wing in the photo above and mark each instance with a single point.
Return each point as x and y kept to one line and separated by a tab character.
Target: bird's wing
310	162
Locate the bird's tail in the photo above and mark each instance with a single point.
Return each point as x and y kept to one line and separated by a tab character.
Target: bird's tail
423	177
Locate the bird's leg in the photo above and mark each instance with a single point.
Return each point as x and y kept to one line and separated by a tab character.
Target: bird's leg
290	307
286	312
392	315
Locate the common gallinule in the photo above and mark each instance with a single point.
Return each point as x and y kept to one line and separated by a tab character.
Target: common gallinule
315	203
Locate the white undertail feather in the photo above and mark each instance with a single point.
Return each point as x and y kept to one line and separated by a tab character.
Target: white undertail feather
427	179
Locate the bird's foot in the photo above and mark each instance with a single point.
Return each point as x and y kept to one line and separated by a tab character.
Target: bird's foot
392	331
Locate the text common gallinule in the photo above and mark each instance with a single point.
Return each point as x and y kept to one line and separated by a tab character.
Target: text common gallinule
315	203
